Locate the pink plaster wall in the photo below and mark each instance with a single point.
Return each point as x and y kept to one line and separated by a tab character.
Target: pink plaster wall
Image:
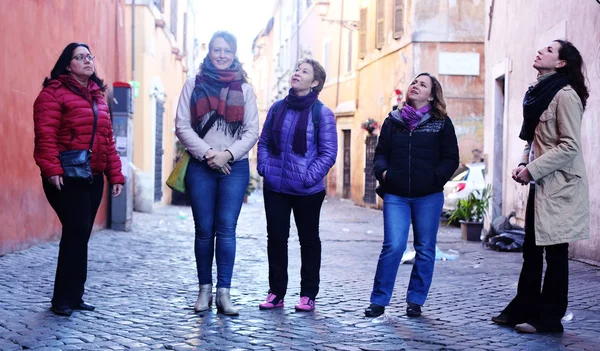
33	35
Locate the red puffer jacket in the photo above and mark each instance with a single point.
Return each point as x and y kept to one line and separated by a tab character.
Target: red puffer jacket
63	119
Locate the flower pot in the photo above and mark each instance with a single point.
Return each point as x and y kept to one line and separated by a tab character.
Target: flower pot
471	231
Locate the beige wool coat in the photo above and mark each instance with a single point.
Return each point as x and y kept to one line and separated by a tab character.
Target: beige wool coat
562	210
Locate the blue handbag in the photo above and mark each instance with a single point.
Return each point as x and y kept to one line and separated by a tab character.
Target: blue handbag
76	164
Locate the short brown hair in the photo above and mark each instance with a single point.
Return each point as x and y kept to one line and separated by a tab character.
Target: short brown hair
319	73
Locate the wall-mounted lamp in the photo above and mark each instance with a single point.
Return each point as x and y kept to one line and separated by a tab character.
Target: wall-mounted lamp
323	9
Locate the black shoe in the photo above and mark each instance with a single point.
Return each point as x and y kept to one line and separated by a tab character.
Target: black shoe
374	310
62	310
540	326
413	310
506	319
84	306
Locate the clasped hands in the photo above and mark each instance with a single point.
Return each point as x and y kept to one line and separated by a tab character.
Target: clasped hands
218	160
521	175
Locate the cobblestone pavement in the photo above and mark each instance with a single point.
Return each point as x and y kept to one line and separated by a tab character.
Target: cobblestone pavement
144	284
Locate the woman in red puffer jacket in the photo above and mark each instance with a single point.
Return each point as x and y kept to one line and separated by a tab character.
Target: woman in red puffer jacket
63	118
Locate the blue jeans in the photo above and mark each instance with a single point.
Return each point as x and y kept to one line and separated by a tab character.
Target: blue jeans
398	213
216	200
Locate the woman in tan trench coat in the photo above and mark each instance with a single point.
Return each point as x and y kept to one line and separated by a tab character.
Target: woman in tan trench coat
558	206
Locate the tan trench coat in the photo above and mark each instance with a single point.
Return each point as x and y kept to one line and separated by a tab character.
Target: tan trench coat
562	211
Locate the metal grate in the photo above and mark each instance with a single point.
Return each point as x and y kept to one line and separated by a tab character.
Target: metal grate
158	151
347	162
370	181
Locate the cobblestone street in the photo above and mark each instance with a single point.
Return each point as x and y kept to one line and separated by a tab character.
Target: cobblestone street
143	284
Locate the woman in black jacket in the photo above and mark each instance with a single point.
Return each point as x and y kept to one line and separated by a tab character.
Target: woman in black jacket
416	155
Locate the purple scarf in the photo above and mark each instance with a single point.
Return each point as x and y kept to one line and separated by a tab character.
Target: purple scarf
412	117
297	103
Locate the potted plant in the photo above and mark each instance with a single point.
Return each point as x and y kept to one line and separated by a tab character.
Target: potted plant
369	125
471	211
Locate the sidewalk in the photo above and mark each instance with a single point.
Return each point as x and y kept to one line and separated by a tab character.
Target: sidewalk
144	285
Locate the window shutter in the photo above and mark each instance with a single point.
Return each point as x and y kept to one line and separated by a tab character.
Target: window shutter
185	33
380	30
174	18
398	18
349	57
362	34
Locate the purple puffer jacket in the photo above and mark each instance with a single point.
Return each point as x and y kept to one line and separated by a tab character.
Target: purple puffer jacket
293	174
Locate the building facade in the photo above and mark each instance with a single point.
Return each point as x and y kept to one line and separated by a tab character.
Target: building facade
158	35
398	40
279	46
514	32
371	50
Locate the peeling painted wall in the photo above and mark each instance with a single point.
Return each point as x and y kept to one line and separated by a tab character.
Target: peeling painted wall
33	35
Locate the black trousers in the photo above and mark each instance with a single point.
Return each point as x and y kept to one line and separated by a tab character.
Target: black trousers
76	205
542	307
307	212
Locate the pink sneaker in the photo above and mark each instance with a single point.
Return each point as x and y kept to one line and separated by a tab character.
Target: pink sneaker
306	304
272	301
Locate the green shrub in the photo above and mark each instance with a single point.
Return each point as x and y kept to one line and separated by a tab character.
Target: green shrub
474	207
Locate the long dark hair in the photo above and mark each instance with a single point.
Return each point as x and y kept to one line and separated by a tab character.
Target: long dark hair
574	68
232	41
438	105
63	61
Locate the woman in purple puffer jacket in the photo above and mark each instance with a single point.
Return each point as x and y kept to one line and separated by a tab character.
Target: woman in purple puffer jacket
295	152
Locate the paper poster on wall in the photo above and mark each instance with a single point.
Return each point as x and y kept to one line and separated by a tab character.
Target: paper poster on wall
458	63
121	143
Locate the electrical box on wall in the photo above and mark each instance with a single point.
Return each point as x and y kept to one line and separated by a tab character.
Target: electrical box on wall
121	207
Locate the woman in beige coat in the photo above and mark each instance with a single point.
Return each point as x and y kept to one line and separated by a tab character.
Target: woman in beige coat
558	207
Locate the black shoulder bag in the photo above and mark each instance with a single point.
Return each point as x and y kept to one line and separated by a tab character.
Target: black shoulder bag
76	164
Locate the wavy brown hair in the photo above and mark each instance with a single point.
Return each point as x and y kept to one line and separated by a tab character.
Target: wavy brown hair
232	41
574	69
438	105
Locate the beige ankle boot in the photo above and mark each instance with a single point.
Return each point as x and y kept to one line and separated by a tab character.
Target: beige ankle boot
204	298
224	304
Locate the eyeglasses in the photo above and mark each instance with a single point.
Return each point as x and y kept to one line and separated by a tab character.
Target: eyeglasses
87	57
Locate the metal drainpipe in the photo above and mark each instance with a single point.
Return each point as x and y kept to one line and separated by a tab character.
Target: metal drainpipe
297	30
132	40
337	85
